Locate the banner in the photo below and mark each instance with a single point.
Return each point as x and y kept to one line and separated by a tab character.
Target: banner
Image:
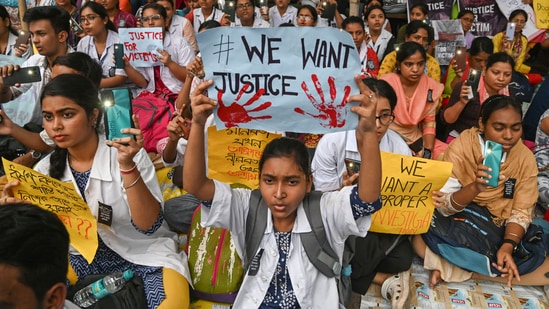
406	193
488	18
530	30
281	79
438	9
61	199
541	12
234	154
448	34
141	45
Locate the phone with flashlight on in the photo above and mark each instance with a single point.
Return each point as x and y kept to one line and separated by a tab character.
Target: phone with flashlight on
118	112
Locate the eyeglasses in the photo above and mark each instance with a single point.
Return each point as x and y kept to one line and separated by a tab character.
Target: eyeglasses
306	17
244	6
154	17
88	19
385	119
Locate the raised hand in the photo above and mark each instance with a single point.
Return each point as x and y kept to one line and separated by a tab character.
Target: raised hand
235	114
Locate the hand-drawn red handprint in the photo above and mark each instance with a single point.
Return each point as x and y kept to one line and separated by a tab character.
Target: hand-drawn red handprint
235	114
331	115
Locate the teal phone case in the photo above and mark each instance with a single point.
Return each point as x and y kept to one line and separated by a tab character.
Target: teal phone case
492	158
118	111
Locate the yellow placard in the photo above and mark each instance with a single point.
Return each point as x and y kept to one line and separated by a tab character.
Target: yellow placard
60	198
541	9
233	154
406	190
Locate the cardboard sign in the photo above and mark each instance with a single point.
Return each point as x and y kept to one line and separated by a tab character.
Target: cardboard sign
141	45
281	79
233	154
488	18
541	12
60	198
406	193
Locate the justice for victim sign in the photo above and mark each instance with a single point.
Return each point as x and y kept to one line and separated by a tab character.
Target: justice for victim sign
61	199
406	193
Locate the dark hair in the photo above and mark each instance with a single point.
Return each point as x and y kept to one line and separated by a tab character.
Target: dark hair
481	44
288	148
35	242
101	11
374	7
159	9
209	24
500	57
311	10
497	102
83	92
82	63
58	17
407	49
370	1
3	15
170	1
353	20
382	89
465	12
518	12
288	24
414	27
422	6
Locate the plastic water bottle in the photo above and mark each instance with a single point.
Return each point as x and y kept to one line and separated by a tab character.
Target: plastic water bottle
101	288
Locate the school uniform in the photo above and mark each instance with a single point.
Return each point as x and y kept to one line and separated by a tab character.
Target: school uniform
183	27
289	17
198	17
106	59
258	23
380	46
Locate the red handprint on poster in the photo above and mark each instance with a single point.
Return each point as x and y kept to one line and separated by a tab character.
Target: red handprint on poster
235	114
331	115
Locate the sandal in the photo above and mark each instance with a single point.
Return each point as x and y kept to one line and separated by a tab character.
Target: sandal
396	289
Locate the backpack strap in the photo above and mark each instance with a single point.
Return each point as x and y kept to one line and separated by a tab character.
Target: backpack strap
315	243
256	222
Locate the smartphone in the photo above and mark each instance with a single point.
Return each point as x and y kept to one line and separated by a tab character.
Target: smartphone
396	46
329	11
510	32
472	80
119	56
23	38
492	158
353	166
23	75
75	26
461	55
117	103
230	9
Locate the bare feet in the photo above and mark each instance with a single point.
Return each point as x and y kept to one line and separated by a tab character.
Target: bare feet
434	278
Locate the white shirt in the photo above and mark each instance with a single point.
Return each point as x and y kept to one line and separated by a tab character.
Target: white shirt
381	44
181	53
312	289
258	22
182	26
324	22
289	17
106	60
199	19
105	185
328	163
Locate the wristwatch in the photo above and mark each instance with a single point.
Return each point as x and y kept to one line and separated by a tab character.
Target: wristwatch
512	242
427	153
36	155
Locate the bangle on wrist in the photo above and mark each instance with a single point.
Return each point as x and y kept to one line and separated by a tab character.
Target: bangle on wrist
513	234
456	203
133	183
128	171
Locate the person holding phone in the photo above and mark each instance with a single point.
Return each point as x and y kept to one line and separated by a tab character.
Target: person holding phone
420	95
379	258
118	182
178	25
516	47
504	242
329	15
462	113
68	6
10	43
207	11
100	41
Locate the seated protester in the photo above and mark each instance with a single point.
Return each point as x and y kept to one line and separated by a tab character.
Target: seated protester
333	21
416	31
307	16
160	82
40	143
368	58
99	43
477	55
282	12
462	113
419	11
75	14
178	25
8	36
518	46
118	175
207	11
467	17
380	40
539	56
285	276
504	246
119	18
542	159
29	278
369	3
538	106
247	16
384	259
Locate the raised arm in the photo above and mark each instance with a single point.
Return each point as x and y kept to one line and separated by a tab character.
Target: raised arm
195	180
